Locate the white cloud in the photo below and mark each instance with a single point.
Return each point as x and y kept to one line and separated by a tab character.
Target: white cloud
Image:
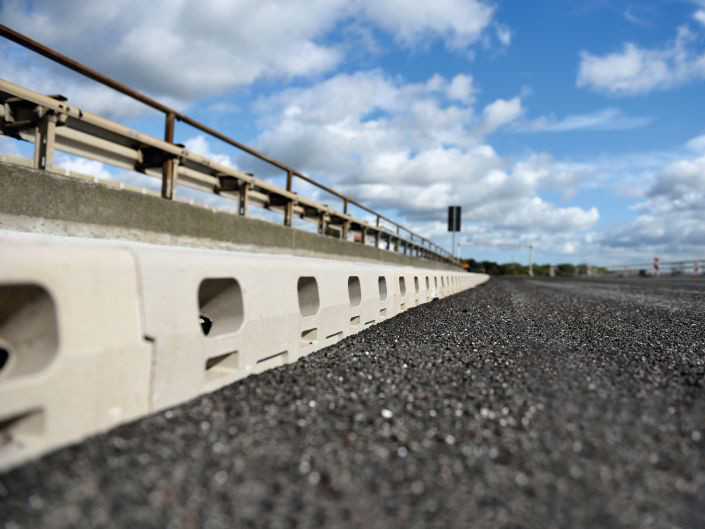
89	96
186	50
538	215
200	145
697	144
681	184
414	148
604	119
82	166
635	70
670	220
699	15
459	23
504	34
677	236
461	88
499	113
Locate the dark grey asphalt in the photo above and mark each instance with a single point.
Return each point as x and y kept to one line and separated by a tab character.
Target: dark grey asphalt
520	404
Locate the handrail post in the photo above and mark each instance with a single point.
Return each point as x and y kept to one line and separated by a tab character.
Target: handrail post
377	234
346	224
289	209
169	168
243	198
44	135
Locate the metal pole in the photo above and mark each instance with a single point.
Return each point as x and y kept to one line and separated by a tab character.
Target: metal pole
531	267
44	134
168	169
289	208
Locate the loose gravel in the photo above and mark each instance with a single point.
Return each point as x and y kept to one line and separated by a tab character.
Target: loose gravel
518	404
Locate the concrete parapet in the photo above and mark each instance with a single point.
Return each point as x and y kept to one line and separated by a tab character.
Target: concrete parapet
43	202
95	333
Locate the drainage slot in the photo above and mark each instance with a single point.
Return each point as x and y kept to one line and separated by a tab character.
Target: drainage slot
307	289
220	365
4	358
309	336
402	286
29	336
402	306
383	313
428	284
354	292
416	284
283	354
355	320
382	284
16	428
220	306
335	335
369	322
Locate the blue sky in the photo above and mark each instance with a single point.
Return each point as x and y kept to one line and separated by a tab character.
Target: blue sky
577	126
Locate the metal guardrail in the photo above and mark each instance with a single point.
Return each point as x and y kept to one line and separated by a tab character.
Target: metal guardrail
690	267
52	124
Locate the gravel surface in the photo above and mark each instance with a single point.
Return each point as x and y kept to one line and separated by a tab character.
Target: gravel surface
519	404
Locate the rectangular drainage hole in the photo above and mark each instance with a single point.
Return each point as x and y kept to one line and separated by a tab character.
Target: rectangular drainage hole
369	322
402	306
335	335
16	428
309	336
355	320
383	312
271	357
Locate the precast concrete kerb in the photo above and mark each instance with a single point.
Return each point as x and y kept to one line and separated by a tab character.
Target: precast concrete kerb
95	333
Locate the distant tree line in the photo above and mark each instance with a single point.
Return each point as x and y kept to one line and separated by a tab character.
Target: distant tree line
517	269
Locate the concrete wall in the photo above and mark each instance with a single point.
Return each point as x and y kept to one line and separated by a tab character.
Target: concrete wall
42	202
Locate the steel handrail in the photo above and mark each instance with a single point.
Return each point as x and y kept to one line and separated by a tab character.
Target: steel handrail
172	114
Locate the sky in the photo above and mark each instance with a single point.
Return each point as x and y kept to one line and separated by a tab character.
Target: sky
574	126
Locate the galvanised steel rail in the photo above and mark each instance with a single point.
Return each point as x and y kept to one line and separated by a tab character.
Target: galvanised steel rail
170	159
695	266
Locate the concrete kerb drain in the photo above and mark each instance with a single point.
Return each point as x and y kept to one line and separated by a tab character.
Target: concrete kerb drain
97	334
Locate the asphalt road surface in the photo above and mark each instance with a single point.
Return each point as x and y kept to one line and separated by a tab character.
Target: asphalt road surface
519	404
